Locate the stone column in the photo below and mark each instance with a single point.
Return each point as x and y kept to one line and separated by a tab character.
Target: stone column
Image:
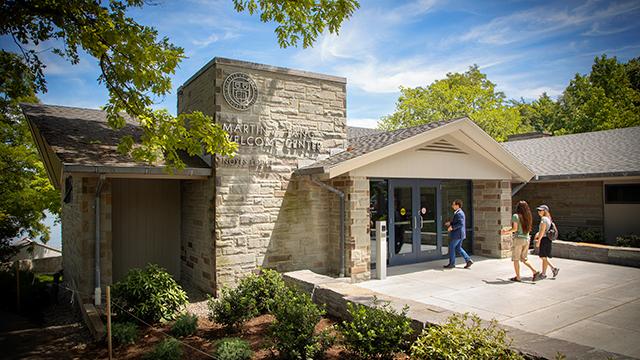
357	241
491	212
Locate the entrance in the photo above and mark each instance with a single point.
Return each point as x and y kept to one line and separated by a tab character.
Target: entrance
415	230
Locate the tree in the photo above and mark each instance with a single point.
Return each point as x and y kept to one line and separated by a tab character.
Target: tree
136	67
304	19
468	94
603	99
25	190
540	115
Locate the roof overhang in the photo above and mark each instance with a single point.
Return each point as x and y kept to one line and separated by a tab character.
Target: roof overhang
464	128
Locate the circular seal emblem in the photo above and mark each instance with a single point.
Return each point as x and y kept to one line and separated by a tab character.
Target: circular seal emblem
240	91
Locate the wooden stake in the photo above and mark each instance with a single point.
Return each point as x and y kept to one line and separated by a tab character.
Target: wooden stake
18	285
109	320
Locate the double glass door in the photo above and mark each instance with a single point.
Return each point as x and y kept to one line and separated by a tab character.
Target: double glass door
415	231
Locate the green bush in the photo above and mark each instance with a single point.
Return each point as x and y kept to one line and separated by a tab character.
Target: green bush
263	288
463	337
185	325
232	308
233	349
292	332
628	241
150	294
377	331
124	333
584	235
167	349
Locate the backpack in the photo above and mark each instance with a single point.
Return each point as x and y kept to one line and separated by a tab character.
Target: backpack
552	233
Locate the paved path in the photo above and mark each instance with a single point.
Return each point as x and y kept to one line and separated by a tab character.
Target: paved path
591	304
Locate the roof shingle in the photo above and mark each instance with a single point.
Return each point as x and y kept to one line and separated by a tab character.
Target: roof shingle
595	154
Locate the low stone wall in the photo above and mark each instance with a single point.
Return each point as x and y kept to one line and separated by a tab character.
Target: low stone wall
336	293
596	253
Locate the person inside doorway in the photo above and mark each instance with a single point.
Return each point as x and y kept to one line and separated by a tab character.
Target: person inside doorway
457	234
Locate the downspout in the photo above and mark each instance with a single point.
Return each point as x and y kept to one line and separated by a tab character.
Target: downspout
342	220
97	294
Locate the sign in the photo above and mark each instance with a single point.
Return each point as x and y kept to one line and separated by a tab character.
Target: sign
240	91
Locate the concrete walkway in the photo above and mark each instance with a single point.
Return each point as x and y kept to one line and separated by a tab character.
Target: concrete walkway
592	304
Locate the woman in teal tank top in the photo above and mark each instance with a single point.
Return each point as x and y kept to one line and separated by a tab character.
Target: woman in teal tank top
521	223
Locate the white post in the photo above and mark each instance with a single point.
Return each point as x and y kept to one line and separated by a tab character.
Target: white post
381	250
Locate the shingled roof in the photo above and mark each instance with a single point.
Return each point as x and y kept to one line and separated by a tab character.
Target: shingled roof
81	137
362	145
608	153
356	132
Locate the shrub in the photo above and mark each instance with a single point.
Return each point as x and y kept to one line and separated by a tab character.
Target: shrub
233	349
150	294
185	325
463	336
292	331
376	331
34	295
232	308
584	235
263	288
167	349
628	241
124	333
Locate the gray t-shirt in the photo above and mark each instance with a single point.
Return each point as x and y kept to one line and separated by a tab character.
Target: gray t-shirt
545	220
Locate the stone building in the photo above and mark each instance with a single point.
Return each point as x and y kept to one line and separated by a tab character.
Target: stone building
303	191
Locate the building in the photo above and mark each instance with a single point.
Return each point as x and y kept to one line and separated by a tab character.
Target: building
589	180
302	192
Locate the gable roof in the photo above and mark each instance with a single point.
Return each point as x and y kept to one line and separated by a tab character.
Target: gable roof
608	153
367	149
356	132
81	139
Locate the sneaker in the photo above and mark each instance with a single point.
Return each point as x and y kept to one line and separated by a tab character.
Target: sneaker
555	271
542	277
449	266
469	263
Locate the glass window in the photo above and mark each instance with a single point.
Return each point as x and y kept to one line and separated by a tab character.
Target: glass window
622	193
378	209
450	191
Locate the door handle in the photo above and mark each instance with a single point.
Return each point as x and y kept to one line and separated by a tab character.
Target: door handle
421	222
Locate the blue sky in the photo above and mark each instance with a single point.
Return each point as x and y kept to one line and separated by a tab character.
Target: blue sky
525	47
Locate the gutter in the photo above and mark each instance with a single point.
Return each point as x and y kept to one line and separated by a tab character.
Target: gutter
97	291
515	190
342	220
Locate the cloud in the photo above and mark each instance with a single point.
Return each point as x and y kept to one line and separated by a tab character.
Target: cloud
597	30
363	122
541	22
215	37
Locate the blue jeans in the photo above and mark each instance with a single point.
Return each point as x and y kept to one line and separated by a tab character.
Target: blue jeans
456	245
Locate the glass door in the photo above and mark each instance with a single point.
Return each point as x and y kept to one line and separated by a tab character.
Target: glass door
415	233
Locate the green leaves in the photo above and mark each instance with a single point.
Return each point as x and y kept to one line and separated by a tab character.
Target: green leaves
301	19
469	94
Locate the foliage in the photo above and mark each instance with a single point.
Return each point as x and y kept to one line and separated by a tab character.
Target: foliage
167	349
584	235
540	115
232	308
185	325
233	349
463	337
628	241
376	331
25	191
293	330
150	294
124	333
263	288
300	20
34	295
467	94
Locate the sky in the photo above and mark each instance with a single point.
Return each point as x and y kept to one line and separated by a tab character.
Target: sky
525	47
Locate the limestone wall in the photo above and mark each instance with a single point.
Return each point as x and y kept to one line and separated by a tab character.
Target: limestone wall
263	216
491	212
78	235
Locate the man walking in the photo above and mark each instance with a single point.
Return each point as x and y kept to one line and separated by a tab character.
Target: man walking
457	234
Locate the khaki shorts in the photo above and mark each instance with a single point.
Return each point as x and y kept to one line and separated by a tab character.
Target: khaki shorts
519	249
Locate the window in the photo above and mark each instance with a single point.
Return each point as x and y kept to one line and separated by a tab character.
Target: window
622	193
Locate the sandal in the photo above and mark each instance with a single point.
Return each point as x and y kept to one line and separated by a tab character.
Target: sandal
515	278
536	276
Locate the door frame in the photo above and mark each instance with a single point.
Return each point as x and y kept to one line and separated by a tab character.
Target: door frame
417	255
